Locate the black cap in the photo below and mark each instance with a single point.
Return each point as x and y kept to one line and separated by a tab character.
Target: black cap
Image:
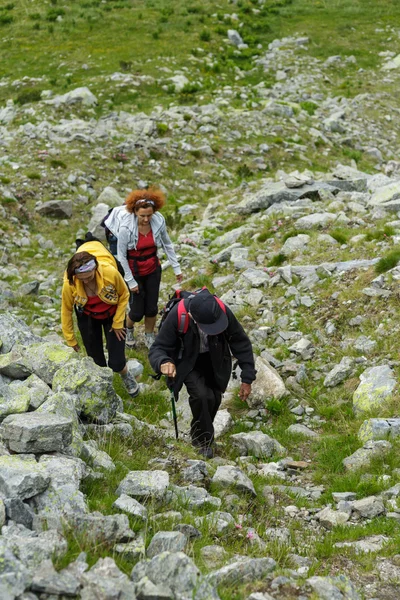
207	313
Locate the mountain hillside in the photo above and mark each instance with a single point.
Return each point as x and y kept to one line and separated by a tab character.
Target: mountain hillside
273	128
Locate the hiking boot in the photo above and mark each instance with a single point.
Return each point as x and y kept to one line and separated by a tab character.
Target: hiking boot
130	339
132	386
206	451
149	339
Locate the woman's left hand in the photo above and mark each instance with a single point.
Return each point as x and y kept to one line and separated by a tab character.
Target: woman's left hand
179	278
120	333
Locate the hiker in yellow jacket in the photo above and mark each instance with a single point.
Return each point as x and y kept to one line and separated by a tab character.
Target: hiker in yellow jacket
97	292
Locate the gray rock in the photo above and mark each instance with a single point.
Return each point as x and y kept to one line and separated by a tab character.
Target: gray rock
387	197
102	529
243	571
257	444
59	209
22	477
14	576
218	522
331	518
281	535
193	497
80	95
62	404
298	428
91	387
104	580
256	277
111	197
142	484
146	590
13	365
223	422
295	244
171	541
177	572
46	358
339	372
212	555
19	512
368	507
379	429
36	433
376	386
331	588
234	37
268	384
14	331
33	549
373	543
363	456
315	220
48	581
195	472
131	506
233	477
98	459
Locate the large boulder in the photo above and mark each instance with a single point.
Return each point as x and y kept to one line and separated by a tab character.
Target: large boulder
387	197
376	386
111	197
379	429
46	358
362	457
36	433
268	384
92	389
99	211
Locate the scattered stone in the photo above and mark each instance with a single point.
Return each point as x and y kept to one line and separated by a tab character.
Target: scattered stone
363	456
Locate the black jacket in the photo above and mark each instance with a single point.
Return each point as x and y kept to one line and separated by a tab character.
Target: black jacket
183	350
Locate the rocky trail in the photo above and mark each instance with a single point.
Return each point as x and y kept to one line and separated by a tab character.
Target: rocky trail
284	199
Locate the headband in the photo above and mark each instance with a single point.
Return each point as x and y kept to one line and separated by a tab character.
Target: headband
89	266
142	200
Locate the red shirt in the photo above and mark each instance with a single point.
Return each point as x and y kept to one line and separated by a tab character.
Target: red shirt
98	309
145	248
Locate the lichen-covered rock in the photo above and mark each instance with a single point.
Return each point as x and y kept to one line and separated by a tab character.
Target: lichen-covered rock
102	529
131	506
379	429
256	443
33	548
13	364
98	459
141	484
37	390
36	433
47	580
376	386
46	358
14	331
14	399
22	477
268	384
14	576
91	387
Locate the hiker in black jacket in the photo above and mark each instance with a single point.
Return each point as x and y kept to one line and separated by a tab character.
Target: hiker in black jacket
201	359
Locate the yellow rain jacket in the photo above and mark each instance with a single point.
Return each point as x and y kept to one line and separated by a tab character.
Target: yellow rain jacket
111	285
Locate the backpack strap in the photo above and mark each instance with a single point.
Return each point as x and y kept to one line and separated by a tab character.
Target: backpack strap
221	304
183	321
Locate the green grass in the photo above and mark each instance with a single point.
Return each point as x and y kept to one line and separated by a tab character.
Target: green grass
389	261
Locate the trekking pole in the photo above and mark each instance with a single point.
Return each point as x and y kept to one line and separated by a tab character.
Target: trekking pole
174	413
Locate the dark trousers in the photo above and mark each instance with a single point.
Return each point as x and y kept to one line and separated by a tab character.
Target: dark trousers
204	400
92	337
145	302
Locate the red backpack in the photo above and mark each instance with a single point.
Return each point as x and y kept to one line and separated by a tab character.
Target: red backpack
179	298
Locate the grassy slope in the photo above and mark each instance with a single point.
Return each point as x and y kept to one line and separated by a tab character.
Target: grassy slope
108	37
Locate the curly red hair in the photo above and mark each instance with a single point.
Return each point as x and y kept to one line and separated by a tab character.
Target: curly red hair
155	197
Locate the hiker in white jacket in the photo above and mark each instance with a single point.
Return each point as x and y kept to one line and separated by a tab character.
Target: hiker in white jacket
141	230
